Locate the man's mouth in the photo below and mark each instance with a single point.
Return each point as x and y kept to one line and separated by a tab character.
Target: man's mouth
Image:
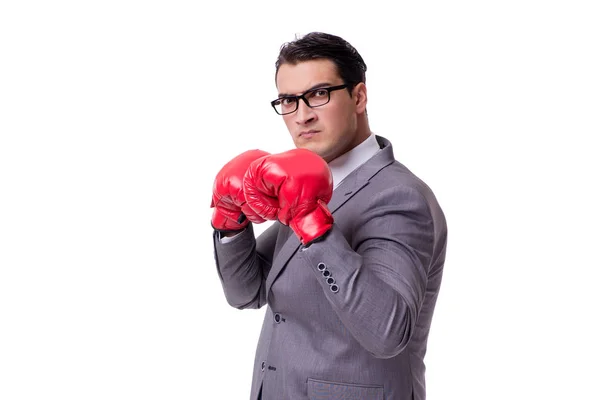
308	134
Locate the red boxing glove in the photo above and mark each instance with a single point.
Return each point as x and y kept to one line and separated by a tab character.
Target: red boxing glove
293	187
231	213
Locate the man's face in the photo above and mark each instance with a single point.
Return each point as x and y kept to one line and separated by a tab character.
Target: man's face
329	130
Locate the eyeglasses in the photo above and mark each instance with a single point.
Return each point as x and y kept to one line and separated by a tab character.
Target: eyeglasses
313	98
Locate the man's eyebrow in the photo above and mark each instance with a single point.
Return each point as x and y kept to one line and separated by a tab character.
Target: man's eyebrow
313	87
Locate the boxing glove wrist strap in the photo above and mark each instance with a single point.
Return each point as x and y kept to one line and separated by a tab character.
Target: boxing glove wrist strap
225	223
311	226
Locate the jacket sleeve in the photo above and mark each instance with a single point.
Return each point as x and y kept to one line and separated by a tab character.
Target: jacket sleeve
243	264
377	285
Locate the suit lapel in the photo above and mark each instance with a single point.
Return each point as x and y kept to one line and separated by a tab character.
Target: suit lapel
351	185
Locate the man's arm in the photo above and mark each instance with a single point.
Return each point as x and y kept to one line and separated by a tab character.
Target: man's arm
378	290
243	264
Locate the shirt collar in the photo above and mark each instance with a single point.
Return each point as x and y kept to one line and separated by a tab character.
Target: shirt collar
342	166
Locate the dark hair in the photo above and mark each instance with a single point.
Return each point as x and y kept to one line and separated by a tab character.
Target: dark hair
318	45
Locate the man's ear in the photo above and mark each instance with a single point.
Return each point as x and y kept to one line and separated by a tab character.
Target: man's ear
360	97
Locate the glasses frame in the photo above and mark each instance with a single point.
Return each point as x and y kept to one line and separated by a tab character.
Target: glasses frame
297	98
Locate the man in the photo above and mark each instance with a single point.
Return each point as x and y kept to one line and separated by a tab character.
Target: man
351	269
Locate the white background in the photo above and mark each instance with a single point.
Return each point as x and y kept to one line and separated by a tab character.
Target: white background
116	115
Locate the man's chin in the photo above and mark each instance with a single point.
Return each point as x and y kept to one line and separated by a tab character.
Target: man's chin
314	147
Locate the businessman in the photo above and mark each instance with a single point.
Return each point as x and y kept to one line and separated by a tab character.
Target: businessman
351	268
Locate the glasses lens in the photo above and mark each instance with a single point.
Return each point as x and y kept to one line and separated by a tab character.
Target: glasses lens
285	105
317	97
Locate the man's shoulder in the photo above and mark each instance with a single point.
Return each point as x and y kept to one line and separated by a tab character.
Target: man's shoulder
395	177
395	174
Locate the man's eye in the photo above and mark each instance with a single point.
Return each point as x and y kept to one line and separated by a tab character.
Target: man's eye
288	101
317	94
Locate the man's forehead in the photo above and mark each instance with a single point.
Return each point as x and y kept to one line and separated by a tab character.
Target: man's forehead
297	78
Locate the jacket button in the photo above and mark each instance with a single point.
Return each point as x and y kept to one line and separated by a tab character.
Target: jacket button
262	366
321	266
326	273
277	317
334	288
330	281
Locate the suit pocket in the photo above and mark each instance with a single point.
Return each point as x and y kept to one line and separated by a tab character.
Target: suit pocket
324	390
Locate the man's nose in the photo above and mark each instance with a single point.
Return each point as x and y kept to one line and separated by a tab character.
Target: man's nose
304	114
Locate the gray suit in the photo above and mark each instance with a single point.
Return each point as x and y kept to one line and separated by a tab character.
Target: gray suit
347	317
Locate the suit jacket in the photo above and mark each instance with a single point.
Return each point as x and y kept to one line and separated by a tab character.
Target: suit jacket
347	317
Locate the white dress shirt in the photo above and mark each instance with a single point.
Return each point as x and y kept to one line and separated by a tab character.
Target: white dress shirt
342	166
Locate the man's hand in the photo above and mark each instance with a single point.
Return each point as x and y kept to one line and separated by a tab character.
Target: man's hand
231	213
293	187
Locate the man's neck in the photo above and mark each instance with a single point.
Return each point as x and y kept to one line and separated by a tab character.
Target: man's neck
364	131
